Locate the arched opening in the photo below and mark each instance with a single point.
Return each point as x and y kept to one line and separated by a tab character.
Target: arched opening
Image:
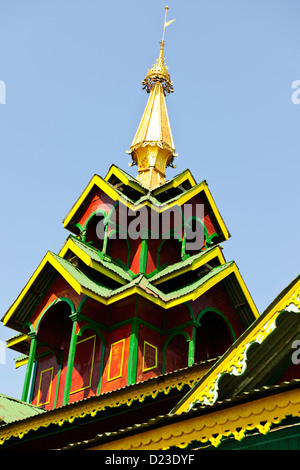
213	337
95	232
55	327
176	353
53	340
169	252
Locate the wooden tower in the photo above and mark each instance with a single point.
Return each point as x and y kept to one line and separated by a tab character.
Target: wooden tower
139	334
141	286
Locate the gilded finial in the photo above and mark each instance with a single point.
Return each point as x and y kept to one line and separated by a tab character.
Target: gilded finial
159	71
152	148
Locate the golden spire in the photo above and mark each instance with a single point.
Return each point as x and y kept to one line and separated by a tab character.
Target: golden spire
153	148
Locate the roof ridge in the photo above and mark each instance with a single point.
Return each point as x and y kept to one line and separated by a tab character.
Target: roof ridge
102	259
148	286
179	264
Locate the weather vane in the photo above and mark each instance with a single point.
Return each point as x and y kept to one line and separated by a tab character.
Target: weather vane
166	23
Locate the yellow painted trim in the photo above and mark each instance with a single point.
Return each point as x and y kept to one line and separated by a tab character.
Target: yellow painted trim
21	363
183	199
95	181
109	378
246	293
152	367
124	396
66	275
205	258
234	359
174	183
112	193
50	388
119	174
232	268
26	289
13	341
259	415
48	258
216	213
114	298
70	245
177	202
186	196
92	365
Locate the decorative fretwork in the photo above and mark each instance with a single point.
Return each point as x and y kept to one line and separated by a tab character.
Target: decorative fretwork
236	363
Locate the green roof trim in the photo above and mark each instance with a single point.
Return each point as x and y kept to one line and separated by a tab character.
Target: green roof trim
140	281
89	281
97	256
159	187
90	284
201	281
182	264
82	278
149	195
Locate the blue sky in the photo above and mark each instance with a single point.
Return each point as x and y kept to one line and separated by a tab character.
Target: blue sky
73	72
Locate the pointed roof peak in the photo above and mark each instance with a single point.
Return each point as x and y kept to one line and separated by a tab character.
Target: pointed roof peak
153	148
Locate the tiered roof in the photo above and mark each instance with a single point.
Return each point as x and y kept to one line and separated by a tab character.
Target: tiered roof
196	407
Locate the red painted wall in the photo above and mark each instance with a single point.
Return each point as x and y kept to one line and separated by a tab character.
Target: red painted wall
153	245
150	312
116	359
149	342
135	254
53	338
217	298
99	200
177	316
170	251
87	361
118	250
120	311
45	382
95	311
177	351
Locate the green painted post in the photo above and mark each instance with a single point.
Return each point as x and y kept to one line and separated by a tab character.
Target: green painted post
104	247
191	359
32	382
143	256
58	378
31	358
101	367
70	361
133	353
